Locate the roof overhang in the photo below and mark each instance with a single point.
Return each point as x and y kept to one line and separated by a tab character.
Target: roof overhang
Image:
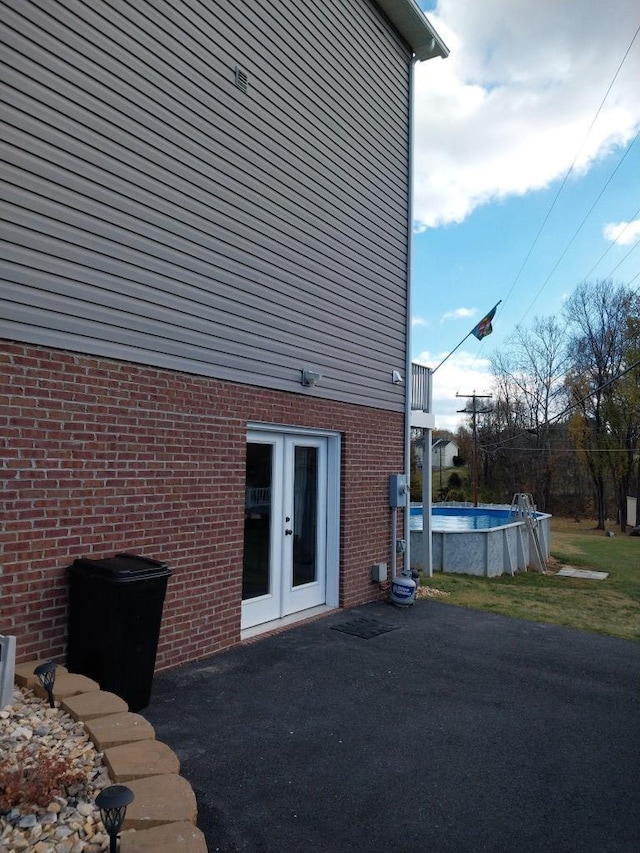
413	25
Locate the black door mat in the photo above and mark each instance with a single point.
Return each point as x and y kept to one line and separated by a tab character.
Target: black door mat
364	628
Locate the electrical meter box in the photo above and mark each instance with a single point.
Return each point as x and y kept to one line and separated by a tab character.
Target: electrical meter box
397	490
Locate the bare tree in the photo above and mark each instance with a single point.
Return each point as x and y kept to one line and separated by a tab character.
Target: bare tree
530	389
622	412
605	426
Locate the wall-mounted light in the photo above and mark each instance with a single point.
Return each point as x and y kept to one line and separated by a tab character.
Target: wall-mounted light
310	378
396	377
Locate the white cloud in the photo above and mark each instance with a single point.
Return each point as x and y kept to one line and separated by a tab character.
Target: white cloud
463	373
511	107
419	321
458	314
622	233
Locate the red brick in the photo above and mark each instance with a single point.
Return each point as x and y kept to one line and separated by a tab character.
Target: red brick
107	460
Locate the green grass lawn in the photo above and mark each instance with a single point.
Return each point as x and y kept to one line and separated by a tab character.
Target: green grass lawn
611	606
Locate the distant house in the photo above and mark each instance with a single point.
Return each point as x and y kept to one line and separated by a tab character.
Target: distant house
204	304
442	452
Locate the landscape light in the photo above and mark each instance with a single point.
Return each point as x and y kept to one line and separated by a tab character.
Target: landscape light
46	673
113	802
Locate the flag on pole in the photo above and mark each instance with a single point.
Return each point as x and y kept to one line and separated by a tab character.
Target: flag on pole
484	327
481	331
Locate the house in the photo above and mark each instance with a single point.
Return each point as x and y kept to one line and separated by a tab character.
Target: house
443	451
204	304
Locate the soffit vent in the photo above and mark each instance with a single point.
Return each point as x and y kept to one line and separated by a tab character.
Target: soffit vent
242	80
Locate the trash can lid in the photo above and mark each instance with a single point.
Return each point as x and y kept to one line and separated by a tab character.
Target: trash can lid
122	568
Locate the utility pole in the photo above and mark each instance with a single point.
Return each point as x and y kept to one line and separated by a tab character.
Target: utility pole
474	413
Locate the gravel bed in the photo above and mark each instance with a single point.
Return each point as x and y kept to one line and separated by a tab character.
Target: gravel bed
431	592
69	823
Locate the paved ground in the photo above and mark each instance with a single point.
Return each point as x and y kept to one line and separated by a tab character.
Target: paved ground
457	731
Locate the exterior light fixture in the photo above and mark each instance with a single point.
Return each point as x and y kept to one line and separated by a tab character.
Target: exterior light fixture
113	802
396	377
46	674
310	378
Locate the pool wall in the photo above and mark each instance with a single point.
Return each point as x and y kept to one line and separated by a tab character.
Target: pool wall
489	553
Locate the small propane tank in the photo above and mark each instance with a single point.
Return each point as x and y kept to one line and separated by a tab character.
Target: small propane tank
403	589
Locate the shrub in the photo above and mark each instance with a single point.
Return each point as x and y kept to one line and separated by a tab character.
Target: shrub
35	784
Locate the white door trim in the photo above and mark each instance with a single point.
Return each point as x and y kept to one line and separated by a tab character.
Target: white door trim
332	541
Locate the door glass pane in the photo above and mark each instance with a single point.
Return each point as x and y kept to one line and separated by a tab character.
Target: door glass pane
257	521
305	515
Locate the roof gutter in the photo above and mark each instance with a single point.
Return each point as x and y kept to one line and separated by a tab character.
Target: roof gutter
413	25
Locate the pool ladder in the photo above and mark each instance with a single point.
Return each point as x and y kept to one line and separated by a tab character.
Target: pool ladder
522	506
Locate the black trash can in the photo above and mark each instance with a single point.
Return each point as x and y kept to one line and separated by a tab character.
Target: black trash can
115	609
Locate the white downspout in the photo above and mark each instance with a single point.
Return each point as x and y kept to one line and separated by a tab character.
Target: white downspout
427	500
408	378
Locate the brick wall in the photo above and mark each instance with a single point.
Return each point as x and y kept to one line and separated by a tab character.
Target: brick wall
101	456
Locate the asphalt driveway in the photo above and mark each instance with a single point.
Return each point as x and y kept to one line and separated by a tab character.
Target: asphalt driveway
455	731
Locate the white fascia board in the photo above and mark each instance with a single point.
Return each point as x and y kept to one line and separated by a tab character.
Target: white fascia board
413	25
423	420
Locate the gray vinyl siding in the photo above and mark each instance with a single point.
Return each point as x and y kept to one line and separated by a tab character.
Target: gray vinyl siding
154	212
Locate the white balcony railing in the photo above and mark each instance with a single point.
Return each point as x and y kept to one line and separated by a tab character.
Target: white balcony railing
256	497
421	414
420	388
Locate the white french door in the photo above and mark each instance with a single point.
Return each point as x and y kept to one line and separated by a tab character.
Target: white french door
286	525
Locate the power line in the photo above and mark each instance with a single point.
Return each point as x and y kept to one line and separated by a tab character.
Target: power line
579	229
563	449
633	248
571	167
560	189
613	243
567	409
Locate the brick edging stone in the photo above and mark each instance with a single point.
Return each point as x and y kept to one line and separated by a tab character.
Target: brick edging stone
164	811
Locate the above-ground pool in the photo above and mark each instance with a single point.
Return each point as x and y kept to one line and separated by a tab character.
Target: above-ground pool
485	540
462	517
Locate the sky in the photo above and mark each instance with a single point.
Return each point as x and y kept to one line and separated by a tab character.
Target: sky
526	174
